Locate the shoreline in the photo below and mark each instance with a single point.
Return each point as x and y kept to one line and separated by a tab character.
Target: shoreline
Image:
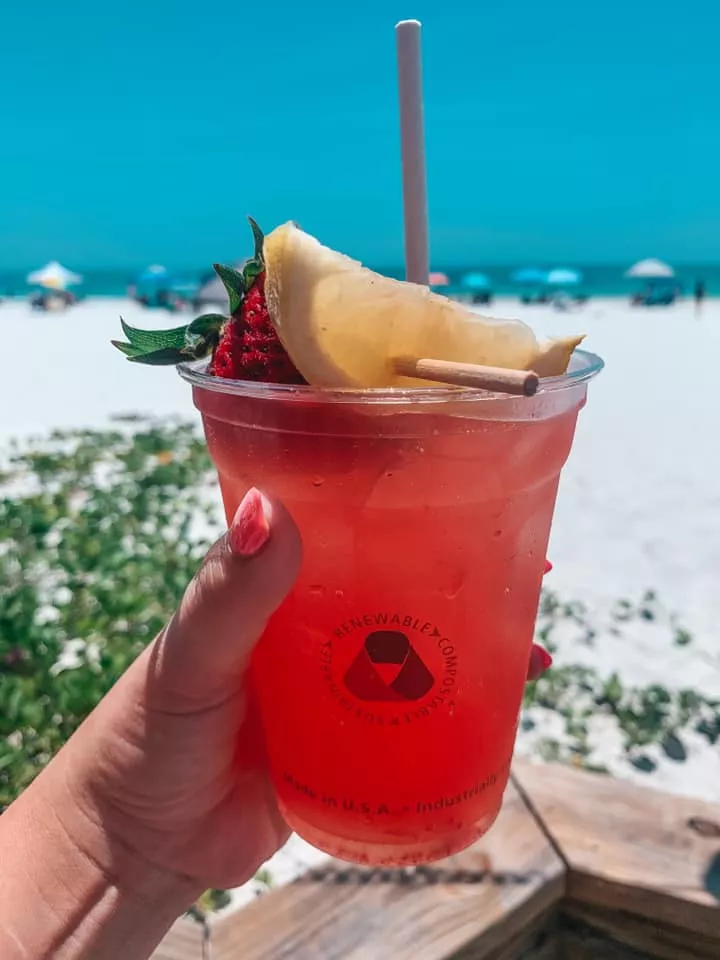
499	298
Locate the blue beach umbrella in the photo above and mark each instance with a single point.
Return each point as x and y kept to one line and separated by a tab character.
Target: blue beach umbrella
475	281
529	275
184	286
153	276
564	277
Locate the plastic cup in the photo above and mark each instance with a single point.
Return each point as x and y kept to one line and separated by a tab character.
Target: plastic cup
390	681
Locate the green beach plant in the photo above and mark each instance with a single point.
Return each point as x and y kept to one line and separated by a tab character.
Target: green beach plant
96	546
653	718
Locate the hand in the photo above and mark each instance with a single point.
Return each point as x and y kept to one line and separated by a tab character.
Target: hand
157	765
540	659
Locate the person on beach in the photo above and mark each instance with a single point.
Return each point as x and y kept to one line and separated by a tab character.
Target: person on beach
164	790
699	295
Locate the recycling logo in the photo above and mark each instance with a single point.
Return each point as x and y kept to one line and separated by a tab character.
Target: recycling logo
388	668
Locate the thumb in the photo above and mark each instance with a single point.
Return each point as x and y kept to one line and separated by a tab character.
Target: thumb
197	661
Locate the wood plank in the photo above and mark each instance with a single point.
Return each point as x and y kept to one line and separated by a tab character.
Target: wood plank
579	942
631	849
629	934
529	944
523	878
182	942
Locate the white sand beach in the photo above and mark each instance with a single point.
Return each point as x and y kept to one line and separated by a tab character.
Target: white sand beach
639	504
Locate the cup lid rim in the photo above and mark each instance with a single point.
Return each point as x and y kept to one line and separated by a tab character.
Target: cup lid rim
584	366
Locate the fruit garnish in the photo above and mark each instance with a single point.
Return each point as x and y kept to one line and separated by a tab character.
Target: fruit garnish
553	356
303	313
343	325
243	346
249	348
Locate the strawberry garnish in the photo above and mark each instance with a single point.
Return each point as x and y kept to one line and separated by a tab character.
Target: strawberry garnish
243	346
249	348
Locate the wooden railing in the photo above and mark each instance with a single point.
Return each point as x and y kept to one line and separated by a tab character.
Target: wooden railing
578	867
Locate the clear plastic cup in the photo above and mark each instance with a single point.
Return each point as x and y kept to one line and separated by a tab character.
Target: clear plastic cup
390	681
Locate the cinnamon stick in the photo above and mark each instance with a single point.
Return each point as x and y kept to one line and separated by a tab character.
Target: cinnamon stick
523	383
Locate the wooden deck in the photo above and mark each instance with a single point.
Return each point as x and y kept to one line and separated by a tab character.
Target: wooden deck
183	942
577	867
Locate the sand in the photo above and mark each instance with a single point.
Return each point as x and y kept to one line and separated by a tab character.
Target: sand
639	504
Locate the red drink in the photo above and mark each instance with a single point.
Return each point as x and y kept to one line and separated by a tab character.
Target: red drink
391	679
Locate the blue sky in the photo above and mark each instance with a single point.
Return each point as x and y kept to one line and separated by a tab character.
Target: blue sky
558	131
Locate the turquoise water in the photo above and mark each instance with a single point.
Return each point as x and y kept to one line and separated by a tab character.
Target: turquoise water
602	280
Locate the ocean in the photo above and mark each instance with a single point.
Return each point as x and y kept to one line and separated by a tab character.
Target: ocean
600	280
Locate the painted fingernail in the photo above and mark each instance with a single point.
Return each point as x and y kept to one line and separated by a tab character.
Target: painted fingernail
540	661
250	527
548	567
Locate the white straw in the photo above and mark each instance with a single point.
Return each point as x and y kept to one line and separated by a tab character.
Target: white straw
412	138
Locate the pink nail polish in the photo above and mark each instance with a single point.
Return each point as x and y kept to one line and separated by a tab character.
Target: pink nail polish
548	567
540	661
249	530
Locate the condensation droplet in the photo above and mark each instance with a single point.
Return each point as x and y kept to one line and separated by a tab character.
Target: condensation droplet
454	587
339	595
318	481
316	589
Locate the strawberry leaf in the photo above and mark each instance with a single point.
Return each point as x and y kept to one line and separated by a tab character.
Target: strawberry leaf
207	327
199	349
234	283
251	271
203	334
259	238
150	340
167	347
127	348
167	356
254	267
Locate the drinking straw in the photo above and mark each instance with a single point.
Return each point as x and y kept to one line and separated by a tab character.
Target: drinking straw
412	141
417	257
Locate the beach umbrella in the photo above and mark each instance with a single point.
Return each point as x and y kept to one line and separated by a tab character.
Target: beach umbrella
564	277
529	275
54	276
439	280
184	286
476	281
153	275
650	270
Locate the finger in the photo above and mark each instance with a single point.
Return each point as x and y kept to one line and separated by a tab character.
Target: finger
540	661
200	657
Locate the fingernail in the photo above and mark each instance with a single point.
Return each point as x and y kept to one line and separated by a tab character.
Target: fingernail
540	661
250	527
548	567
